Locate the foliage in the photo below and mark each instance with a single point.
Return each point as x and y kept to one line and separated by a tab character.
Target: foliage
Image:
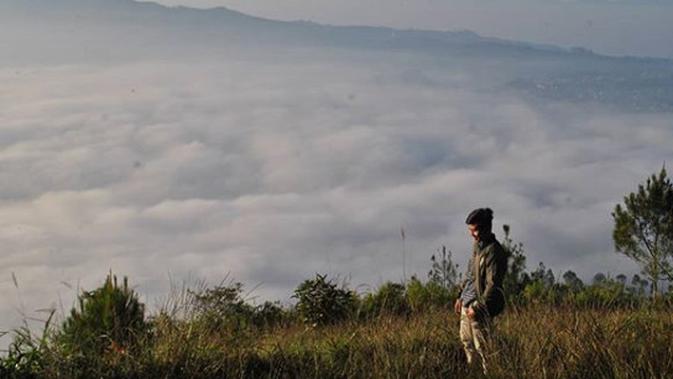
389	299
223	306
643	228
537	292
220	301
592	331
108	318
321	302
398	299
604	295
572	281
25	354
431	295
269	314
561	342
639	285
443	271
604	292
516	277
543	275
542	287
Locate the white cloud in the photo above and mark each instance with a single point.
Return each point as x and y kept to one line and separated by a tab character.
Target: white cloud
274	169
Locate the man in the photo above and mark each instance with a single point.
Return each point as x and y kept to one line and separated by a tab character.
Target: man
482	297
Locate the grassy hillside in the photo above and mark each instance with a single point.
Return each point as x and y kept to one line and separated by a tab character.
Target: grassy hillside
214	334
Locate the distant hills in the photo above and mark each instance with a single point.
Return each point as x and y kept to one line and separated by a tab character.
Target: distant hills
108	31
126	18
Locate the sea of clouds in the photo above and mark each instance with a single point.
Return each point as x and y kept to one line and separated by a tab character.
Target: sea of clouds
267	168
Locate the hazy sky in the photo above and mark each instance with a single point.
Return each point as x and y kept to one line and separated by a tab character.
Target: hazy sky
626	27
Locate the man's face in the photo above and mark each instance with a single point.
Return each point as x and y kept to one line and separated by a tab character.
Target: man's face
474	231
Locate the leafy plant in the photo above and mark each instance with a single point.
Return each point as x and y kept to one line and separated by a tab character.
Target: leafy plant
25	354
108	318
389	299
269	314
422	297
223	306
644	228
443	271
321	302
572	281
516	278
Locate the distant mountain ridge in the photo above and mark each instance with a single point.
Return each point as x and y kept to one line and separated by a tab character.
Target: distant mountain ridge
80	13
46	32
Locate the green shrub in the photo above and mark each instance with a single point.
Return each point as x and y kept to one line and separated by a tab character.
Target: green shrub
390	299
269	314
538	292
516	278
26	353
108	318
321	302
427	296
607	294
224	307
442	270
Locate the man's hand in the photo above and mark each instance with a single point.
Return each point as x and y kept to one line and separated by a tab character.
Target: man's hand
457	306
471	314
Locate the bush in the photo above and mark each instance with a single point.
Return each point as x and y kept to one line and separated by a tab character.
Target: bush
109	318
539	292
516	278
270	314
390	299
422	297
608	294
443	271
224	307
25	354
321	302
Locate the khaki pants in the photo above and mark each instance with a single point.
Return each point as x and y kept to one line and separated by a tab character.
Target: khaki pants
474	335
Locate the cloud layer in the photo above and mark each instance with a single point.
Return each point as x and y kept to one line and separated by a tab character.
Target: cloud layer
272	168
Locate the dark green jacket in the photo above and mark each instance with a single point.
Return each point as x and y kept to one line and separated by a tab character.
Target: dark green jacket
489	265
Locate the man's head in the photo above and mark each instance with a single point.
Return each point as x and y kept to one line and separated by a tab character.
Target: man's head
480	222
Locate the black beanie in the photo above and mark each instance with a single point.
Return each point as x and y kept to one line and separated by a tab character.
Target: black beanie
480	216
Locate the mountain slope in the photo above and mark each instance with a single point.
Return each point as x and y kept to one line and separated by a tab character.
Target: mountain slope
80	21
108	31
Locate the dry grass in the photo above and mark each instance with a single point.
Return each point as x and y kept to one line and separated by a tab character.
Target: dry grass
533	342
541	342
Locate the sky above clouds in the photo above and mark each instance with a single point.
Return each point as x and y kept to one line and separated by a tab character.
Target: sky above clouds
621	27
272	164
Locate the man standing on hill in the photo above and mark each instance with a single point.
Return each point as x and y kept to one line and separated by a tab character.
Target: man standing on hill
482	297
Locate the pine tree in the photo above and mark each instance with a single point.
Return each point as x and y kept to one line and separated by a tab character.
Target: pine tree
516	277
644	228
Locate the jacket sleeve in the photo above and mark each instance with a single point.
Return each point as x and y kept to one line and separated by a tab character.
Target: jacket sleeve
492	300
